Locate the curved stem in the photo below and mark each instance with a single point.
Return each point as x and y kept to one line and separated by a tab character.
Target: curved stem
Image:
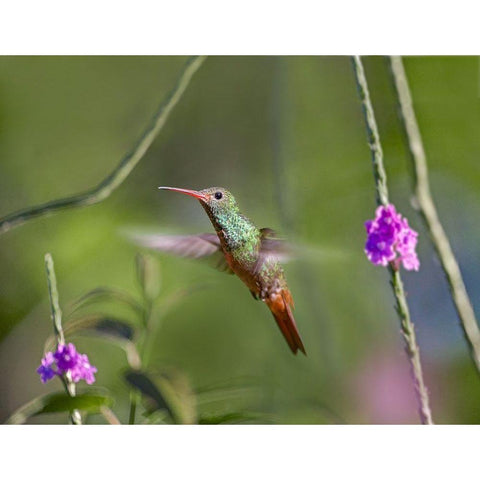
123	169
429	213
407	327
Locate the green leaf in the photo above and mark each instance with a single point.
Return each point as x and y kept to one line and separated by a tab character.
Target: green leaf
107	293
229	418
232	401
177	390
239	398
102	325
168	390
148	275
158	417
154	397
61	402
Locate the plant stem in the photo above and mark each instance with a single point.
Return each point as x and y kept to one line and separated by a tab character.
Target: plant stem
380	176
429	214
133	407
144	272
123	169
379	173
413	352
54	304
109	416
69	385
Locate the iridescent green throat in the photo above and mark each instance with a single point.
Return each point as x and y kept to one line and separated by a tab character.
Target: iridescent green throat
239	233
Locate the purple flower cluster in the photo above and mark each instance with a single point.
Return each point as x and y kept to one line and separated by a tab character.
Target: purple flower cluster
389	235
66	360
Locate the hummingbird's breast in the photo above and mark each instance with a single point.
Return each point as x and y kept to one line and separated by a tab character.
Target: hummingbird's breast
240	241
263	275
241	244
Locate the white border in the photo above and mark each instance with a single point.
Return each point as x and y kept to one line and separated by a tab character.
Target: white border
240	452
249	27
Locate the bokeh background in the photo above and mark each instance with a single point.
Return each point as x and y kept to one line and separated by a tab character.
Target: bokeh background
286	135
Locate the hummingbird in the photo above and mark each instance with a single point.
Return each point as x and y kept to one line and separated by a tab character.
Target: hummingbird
238	247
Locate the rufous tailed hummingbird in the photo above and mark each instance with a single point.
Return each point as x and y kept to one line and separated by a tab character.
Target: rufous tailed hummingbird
251	253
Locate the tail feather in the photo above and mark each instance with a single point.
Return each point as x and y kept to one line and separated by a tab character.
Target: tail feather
282	313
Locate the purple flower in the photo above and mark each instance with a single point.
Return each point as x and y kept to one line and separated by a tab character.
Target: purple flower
45	370
83	370
66	359
66	356
389	235
407	242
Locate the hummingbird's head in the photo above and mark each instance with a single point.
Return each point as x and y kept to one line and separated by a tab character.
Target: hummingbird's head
217	201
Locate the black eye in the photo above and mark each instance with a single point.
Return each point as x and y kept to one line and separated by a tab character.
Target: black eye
218	195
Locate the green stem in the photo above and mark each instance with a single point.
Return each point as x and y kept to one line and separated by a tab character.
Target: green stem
143	351
373	136
69	385
121	172
54	303
429	213
133	407
407	327
109	416
75	417
413	352
151	332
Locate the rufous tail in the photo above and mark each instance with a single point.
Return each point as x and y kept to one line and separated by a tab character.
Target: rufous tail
280	307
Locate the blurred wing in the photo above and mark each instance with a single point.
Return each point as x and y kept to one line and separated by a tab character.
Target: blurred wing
274	246
192	246
204	245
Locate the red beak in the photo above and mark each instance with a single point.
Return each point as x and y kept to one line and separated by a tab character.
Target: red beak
192	193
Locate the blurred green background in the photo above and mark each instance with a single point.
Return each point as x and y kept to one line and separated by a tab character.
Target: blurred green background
286	135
